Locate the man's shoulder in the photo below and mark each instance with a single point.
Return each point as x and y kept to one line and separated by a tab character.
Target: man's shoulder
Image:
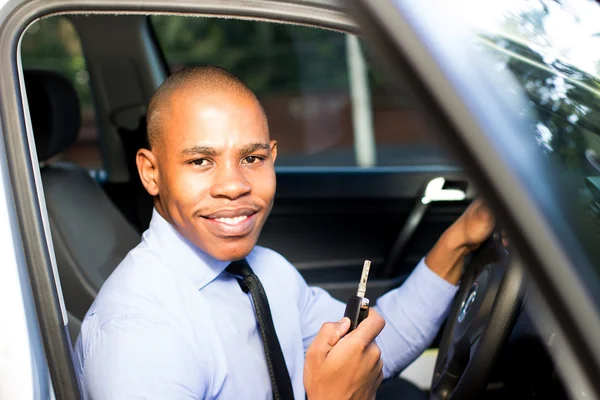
141	283
141	288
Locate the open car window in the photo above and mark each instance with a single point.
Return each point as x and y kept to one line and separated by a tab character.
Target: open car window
326	106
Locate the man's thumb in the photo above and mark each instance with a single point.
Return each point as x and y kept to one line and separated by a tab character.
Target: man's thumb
342	327
334	331
328	336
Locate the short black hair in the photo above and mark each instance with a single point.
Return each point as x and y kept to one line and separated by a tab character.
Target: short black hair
209	78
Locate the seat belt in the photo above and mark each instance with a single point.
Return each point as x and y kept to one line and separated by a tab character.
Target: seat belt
433	191
413	221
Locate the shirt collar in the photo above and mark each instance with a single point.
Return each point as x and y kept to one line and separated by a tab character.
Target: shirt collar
181	254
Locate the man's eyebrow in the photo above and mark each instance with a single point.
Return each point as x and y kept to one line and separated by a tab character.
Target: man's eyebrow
252	147
201	150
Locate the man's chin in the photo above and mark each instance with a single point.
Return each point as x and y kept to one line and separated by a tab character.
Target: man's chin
231	250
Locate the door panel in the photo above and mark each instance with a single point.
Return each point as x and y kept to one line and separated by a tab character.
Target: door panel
328	221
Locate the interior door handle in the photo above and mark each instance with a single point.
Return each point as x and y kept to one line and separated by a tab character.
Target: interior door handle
434	191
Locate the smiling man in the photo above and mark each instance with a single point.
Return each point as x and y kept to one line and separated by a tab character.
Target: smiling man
198	311
193	170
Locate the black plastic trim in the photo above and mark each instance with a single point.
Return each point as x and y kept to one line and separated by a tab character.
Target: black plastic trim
357	183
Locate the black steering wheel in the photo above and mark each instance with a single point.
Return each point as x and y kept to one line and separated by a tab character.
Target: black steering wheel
481	319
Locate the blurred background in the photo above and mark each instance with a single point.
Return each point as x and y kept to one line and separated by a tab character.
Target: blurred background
304	77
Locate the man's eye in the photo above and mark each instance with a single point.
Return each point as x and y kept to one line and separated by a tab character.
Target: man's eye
201	162
252	160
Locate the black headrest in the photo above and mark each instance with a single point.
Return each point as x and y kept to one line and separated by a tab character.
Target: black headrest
54	109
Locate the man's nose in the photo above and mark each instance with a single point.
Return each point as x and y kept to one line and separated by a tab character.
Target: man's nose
230	182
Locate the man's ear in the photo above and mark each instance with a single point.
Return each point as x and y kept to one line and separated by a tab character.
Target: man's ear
273	146
147	165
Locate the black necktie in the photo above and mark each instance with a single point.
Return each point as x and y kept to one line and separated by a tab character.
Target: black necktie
249	282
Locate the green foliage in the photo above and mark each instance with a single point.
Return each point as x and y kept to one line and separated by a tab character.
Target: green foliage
564	103
269	57
566	100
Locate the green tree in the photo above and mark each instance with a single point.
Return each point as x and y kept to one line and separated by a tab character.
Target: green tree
269	57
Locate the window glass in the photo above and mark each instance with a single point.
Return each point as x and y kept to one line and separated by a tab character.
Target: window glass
553	52
325	107
52	44
560	74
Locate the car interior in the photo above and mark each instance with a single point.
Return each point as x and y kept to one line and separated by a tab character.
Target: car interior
87	92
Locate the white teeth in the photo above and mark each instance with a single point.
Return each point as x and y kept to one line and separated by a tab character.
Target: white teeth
232	221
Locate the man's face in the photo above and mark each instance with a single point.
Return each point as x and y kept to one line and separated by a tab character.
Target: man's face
215	175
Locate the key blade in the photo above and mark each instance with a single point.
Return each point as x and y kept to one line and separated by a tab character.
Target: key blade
362	285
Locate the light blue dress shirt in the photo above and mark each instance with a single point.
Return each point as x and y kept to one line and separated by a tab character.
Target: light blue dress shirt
171	323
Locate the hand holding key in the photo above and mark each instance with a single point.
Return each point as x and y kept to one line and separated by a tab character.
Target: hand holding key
345	367
343	361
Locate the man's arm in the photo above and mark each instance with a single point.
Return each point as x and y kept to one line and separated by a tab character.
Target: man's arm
415	311
138	358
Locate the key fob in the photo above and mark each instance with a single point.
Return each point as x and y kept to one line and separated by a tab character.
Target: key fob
357	309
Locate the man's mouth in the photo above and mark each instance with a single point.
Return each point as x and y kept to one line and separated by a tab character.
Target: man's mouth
231	223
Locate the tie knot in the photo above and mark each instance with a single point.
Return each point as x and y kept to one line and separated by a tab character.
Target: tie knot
240	268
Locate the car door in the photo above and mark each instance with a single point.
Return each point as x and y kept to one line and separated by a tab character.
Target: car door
483	114
441	103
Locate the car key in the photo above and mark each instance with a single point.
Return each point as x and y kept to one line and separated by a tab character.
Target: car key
357	307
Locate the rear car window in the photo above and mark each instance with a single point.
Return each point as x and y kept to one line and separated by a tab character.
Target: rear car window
325	105
52	44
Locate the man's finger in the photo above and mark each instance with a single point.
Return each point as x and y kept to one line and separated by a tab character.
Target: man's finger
369	328
328	336
482	211
475	204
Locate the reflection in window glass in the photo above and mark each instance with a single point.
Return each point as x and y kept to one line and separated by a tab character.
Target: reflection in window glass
553	50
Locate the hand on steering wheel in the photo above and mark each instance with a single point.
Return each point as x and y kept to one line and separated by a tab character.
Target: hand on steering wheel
480	321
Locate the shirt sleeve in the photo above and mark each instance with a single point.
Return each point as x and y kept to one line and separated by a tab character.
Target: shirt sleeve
315	307
413	313
137	358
